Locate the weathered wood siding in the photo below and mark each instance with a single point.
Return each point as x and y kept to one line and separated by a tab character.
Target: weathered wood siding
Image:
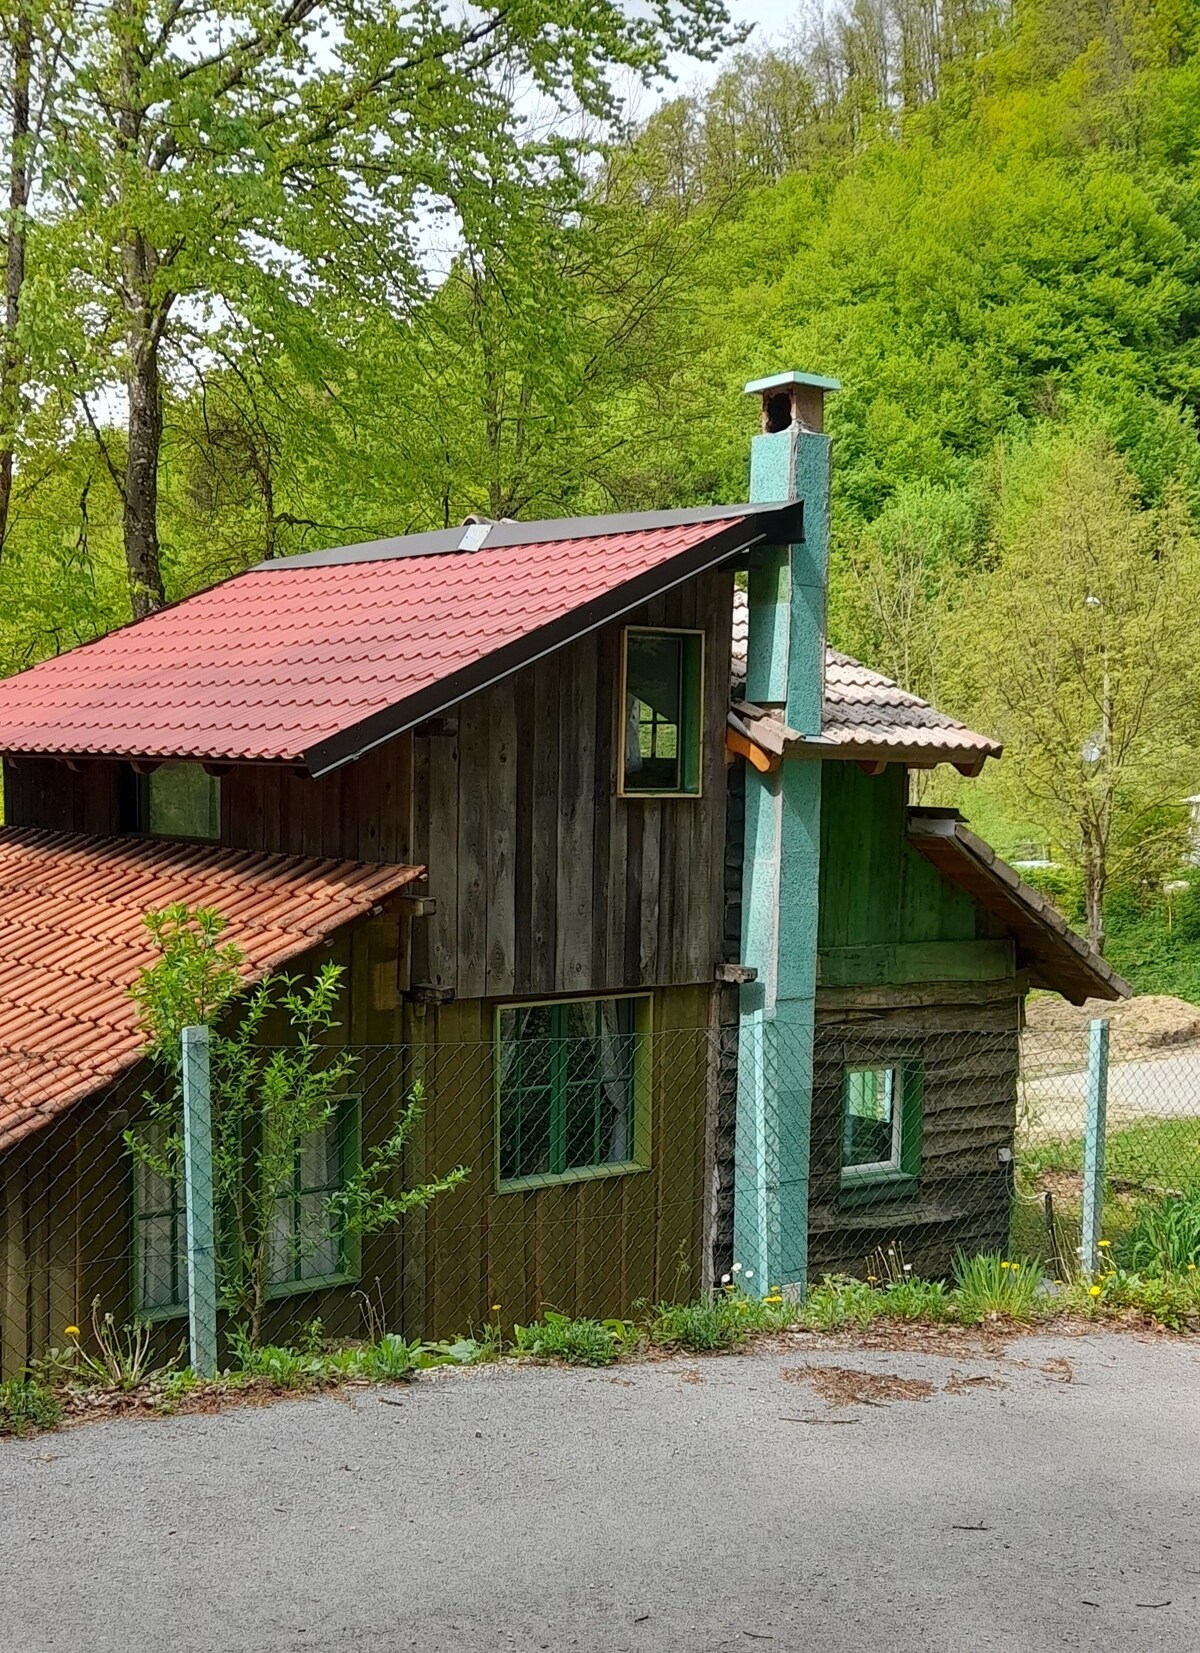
594	1246
66	1194
546	882
910	969
964	1038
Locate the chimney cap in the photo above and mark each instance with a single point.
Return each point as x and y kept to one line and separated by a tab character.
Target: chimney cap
778	381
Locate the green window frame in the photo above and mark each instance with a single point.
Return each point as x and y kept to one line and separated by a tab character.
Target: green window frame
572	1081
180	800
308	1249
323	1165
159	1237
880	1129
662	712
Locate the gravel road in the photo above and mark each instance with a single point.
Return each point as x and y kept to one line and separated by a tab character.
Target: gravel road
1043	1495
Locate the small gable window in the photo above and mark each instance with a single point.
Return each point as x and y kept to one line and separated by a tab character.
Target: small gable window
663	672
881	1126
181	800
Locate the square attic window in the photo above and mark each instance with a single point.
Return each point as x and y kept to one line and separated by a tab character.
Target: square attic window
662	675
181	800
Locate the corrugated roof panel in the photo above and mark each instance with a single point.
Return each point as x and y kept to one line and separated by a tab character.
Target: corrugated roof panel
72	940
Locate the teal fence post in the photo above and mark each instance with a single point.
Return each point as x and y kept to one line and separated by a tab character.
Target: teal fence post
1093	1146
198	1196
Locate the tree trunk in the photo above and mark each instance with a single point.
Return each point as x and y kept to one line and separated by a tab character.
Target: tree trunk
18	204
141	467
1095	880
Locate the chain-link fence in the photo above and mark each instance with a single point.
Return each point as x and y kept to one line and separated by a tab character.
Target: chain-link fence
580	1161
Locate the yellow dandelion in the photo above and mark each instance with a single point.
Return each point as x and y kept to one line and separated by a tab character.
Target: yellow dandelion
1005	1265
1093	1291
71	1331
495	1308
1103	1243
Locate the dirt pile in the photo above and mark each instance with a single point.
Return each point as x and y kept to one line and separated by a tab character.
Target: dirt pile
1140	1025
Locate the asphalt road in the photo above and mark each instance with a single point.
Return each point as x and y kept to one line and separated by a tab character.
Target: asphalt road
1043	1497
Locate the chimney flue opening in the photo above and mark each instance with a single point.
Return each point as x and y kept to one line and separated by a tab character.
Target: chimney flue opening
777	412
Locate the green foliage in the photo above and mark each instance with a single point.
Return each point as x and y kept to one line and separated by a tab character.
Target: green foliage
26	1404
839	1301
1165	1236
988	1285
722	1321
267	1099
577	1342
916	1299
122	1355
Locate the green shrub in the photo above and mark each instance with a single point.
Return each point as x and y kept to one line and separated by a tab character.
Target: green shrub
26	1404
914	1299
1165	1236
391	1359
839	1301
581	1342
991	1285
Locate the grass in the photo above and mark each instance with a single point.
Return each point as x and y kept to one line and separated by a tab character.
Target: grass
1162	1154
989	1285
576	1341
1163	1285
722	1321
26	1405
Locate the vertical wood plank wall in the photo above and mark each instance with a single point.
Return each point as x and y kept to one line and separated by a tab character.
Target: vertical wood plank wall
546	882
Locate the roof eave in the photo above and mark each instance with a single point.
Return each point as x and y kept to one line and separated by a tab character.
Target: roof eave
779	525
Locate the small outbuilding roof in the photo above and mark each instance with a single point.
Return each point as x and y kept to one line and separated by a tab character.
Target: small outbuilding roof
317	658
865	715
73	939
1047	947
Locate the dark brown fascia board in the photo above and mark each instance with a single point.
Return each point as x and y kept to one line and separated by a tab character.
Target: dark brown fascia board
440	542
776	525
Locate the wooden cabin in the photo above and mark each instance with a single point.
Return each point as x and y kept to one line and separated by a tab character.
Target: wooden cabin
499	773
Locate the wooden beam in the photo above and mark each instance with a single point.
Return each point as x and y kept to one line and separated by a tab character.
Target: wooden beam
764	762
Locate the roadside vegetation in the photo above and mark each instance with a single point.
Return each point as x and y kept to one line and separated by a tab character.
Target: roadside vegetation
1152	1279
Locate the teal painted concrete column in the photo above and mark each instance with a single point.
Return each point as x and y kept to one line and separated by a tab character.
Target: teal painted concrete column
781	868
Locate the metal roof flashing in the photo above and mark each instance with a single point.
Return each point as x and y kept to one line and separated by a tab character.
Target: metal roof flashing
492	536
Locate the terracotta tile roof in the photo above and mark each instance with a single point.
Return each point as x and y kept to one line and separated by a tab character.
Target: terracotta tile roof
866	714
72	941
314	659
1047	947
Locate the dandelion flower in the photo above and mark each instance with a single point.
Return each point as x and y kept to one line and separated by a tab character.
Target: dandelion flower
71	1331
749	1274
1191	1265
1093	1291
1103	1243
737	1268
1005	1265
495	1308
724	1279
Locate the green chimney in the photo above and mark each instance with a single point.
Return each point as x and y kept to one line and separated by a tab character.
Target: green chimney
789	460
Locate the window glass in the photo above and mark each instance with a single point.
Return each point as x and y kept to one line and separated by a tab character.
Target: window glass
183	801
567	1077
159	1240
306	1243
662	712
871	1119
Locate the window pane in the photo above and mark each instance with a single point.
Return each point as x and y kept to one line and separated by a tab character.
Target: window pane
158	1264
660	722
870	1135
184	802
304	1243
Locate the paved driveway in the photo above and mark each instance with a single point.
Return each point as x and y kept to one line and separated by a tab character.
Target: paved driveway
1043	1497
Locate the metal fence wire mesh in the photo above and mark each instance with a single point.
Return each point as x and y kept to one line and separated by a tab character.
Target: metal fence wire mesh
606	1166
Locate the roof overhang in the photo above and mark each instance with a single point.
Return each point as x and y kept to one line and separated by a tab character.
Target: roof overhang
1054	956
750	526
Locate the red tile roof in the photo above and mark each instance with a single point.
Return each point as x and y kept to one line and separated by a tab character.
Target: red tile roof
72	942
302	656
865	714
